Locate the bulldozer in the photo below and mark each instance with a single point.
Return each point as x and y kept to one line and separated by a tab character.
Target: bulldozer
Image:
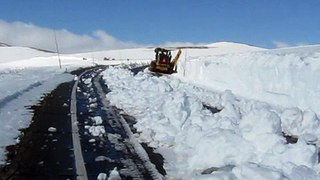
163	62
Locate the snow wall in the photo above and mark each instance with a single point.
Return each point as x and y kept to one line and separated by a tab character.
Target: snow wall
285	77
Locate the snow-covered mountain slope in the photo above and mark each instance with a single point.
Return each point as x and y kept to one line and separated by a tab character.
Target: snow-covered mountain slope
287	77
10	54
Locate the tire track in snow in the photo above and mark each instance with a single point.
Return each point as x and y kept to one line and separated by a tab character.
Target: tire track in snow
9	98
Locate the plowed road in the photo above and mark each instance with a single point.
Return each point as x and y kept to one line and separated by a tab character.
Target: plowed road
77	134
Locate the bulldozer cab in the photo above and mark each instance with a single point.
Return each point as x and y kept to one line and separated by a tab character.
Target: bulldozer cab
163	62
163	56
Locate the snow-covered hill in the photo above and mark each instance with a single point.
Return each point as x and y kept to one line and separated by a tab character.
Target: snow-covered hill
148	53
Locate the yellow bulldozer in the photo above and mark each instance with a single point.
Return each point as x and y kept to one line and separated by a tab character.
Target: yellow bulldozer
163	62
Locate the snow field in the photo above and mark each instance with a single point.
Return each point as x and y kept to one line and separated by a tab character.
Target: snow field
10	54
245	134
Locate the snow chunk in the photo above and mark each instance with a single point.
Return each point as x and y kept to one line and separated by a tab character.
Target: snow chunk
92	100
296	122
97	130
97	120
291	120
254	171
87	81
114	175
102	176
288	156
103	158
303	172
52	129
260	121
93	105
219	148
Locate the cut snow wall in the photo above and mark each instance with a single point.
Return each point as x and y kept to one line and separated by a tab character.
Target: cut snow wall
282	78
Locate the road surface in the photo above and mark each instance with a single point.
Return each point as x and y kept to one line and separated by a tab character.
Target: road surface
76	134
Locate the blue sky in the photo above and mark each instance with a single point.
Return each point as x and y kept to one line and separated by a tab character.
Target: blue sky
257	22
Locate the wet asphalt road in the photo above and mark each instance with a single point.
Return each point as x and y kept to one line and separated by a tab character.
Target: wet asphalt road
42	154
46	150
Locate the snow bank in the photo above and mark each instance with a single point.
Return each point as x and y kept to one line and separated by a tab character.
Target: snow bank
287	77
243	141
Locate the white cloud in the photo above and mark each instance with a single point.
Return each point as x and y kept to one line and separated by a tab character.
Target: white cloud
27	34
